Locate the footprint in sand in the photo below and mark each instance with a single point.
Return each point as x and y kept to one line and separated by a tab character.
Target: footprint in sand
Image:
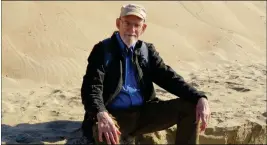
62	96
54	113
73	103
216	101
56	91
74	98
31	93
22	109
237	87
41	105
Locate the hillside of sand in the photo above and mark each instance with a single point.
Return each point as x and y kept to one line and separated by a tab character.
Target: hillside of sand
218	47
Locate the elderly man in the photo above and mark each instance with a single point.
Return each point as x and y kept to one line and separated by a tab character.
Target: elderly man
119	88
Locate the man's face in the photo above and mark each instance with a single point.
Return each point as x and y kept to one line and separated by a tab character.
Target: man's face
130	28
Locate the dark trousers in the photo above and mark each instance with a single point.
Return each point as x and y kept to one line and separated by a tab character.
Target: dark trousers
160	115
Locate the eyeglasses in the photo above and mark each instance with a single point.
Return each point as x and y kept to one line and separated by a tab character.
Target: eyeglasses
127	24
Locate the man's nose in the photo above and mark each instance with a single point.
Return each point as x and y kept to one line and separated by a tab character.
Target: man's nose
132	28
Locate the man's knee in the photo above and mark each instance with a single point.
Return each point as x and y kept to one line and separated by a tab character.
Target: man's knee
87	128
185	107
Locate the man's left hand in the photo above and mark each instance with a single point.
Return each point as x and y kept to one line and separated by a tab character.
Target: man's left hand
203	113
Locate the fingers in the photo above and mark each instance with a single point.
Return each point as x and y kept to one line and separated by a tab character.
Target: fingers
204	119
202	116
197	116
118	132
203	113
107	137
207	118
110	132
100	133
112	138
115	135
203	126
203	122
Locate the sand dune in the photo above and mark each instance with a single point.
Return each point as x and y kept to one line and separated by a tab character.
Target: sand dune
219	47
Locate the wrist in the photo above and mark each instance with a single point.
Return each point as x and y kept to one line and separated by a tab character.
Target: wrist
202	101
203	98
102	115
103	112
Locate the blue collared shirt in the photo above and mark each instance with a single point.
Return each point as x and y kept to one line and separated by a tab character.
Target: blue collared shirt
130	93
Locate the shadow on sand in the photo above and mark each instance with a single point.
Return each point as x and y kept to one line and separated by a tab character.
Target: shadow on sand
49	132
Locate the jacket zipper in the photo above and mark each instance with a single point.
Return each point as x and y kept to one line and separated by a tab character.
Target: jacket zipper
140	81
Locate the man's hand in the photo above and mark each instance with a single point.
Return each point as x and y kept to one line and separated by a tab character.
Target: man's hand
203	113
107	127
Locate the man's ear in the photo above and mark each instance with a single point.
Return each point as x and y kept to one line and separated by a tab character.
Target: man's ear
144	28
118	23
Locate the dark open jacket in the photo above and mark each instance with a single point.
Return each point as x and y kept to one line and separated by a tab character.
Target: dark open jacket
100	84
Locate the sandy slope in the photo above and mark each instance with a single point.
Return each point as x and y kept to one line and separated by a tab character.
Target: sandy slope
219	47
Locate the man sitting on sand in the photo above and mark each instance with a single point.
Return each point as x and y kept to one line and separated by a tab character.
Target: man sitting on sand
119	90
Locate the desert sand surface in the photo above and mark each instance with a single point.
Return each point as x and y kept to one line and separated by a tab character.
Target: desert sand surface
219	47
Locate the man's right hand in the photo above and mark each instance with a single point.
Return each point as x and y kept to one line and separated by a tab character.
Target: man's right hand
107	127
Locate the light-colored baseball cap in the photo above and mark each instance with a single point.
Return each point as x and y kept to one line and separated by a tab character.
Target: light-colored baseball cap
133	9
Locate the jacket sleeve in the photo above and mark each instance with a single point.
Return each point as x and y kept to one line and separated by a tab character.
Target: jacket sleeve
92	85
165	77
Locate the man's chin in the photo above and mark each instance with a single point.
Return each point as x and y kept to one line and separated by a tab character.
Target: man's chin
131	44
129	40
